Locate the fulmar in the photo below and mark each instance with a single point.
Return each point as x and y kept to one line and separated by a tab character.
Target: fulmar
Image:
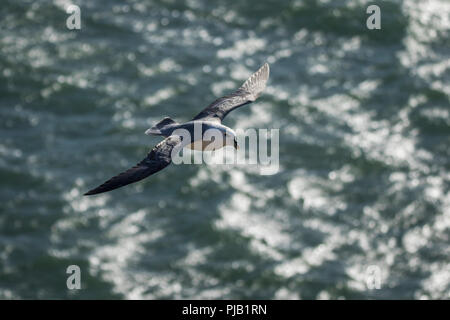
210	118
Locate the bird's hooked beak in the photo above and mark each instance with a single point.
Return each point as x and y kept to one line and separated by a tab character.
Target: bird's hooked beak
236	146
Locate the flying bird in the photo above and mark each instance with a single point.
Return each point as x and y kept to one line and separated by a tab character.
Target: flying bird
210	118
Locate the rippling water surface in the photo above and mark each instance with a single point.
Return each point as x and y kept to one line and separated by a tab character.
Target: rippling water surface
364	150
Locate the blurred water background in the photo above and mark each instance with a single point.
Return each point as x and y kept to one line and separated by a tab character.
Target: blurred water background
364	150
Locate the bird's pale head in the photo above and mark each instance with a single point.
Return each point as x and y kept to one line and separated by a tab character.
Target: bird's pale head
230	138
220	137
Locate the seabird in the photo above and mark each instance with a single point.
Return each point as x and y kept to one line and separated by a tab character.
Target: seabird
210	118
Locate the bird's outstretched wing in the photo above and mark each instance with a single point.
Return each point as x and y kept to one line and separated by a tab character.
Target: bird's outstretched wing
247	93
157	159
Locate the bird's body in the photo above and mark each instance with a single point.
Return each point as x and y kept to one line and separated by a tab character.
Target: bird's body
198	130
205	132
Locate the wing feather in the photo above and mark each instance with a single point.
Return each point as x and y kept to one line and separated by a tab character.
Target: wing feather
157	159
247	93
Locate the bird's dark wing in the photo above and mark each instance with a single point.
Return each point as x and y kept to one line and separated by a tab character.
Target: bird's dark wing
247	93
157	159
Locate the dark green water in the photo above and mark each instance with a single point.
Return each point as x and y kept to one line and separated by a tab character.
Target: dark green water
364	150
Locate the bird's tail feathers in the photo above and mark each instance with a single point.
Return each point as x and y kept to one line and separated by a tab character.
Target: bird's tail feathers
156	129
